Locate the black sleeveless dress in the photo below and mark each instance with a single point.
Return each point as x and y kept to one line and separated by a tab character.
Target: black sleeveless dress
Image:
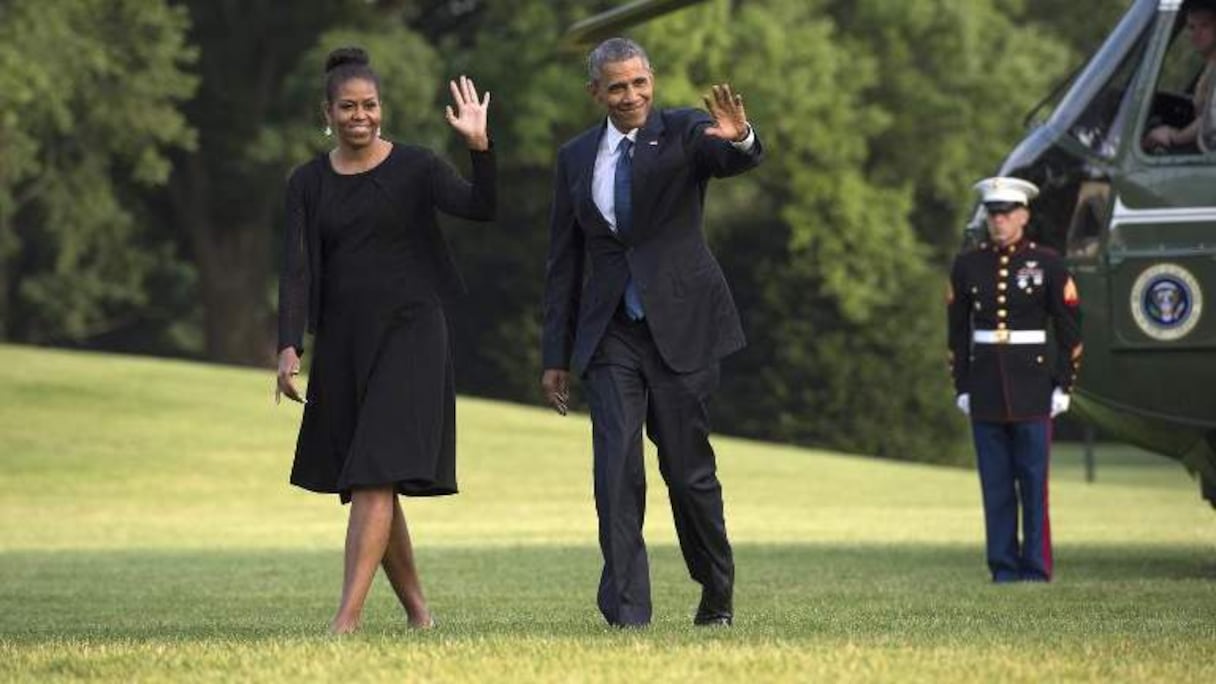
381	393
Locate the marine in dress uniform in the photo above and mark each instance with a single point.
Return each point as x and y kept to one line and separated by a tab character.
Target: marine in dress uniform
1001	296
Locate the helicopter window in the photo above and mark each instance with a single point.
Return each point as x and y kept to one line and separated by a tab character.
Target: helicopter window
1173	107
1101	123
1089	216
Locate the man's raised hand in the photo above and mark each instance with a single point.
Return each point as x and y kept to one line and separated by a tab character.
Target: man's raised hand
726	107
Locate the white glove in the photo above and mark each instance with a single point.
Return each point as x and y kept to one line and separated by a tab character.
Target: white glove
1059	401
964	403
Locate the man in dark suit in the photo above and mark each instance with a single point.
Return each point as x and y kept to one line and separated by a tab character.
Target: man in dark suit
637	306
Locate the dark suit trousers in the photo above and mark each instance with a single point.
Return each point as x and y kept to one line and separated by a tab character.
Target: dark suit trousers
627	384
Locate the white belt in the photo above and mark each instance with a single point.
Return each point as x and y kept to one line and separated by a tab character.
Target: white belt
1009	336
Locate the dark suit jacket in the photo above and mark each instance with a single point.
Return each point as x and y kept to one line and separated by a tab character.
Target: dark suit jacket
419	183
689	308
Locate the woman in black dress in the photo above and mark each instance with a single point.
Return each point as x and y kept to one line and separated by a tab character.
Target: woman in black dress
365	267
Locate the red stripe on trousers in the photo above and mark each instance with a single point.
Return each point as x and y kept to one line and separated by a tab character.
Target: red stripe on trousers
1047	559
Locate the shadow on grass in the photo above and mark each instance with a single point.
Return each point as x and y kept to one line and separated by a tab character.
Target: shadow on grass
783	591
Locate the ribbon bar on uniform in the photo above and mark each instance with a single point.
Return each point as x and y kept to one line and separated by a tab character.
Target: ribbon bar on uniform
1009	336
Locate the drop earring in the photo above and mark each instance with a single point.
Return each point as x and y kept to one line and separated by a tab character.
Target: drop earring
328	131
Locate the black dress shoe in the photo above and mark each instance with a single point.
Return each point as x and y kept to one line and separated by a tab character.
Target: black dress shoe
714	609
712	621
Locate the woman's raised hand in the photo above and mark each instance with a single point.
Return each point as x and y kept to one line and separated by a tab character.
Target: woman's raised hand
469	117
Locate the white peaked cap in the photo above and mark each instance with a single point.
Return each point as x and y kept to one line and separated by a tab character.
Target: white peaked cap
1006	189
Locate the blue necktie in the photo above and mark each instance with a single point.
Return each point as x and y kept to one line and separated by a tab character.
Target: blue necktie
622	200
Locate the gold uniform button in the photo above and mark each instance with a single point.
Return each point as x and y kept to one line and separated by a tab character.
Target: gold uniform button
1004	273
1000	326
1000	299
1002	286
1039	359
1002	313
1004	260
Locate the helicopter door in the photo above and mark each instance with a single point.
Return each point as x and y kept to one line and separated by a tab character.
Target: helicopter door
1163	275
1162	242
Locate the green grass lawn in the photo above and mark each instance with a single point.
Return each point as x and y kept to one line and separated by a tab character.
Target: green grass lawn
147	532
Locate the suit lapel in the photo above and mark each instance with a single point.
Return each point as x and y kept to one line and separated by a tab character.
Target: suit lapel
583	163
648	146
646	150
583	159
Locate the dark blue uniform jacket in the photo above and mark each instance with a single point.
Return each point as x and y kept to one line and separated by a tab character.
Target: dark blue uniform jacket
1019	287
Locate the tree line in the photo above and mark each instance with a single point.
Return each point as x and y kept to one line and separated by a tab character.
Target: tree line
144	146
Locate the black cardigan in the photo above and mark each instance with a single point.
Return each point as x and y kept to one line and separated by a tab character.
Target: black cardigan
419	183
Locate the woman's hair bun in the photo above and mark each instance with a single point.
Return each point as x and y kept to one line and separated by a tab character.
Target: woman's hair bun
354	56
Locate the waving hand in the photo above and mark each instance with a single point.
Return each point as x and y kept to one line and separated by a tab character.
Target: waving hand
730	120
469	117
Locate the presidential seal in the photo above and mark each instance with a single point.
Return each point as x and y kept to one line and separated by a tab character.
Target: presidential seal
1166	302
